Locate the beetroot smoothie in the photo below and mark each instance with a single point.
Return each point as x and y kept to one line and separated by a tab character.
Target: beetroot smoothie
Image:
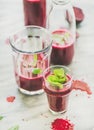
62	48
31	56
31	84
30	79
57	96
58	100
35	12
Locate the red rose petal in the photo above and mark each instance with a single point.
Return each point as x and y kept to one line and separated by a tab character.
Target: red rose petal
10	98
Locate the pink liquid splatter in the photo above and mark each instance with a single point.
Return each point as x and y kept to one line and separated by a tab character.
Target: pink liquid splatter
10	98
81	85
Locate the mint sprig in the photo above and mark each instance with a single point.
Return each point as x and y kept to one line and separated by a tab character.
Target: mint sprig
59	72
36	71
58	38
53	80
35	58
1	117
14	127
57	78
61	38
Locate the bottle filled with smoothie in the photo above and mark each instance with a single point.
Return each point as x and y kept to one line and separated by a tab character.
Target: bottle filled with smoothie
35	12
61	23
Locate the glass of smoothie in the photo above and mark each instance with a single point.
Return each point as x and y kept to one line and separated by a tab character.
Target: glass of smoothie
62	47
31	48
35	12
57	86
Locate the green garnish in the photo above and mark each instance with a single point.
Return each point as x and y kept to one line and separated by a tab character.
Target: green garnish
14	127
1	117
58	78
58	38
35	59
66	34
53	80
59	72
36	71
61	38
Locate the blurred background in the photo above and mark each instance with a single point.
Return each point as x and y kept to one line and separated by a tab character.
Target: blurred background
11	15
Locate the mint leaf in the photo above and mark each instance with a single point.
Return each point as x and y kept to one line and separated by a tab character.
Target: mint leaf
35	59
54	81
59	72
58	78
62	38
14	127
62	80
1	117
66	35
56	85
36	71
52	78
58	38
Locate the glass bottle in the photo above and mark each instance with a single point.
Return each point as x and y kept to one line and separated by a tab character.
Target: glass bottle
61	15
35	12
61	23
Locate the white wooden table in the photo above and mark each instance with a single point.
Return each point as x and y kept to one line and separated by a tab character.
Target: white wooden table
31	112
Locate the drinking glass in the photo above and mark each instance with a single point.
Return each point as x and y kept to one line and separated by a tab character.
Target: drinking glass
58	97
31	47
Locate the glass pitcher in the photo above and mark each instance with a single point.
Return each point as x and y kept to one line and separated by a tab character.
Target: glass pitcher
31	48
61	23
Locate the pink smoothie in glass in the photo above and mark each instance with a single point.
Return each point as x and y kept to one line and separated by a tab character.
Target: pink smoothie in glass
62	48
58	98
31	84
30	77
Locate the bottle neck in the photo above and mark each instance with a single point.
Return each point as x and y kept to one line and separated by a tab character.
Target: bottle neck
60	2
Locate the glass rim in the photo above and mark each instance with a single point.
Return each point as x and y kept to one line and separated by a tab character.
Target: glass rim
60	2
60	46
29	52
